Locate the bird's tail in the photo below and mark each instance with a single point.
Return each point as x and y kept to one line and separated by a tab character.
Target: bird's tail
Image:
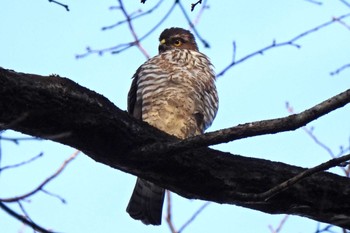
146	202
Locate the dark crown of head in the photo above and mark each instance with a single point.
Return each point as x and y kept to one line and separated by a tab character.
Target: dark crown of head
170	36
170	32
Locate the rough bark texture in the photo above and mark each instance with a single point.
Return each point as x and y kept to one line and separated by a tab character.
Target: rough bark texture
60	110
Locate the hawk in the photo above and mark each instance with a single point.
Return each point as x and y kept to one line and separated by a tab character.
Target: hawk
174	92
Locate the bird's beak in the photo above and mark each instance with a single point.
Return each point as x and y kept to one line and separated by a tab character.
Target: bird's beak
162	46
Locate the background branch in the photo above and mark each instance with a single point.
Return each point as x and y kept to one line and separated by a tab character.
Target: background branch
137	39
291	42
60	4
35	226
21	163
45	182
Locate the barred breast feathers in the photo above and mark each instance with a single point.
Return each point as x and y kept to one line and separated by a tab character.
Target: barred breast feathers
190	70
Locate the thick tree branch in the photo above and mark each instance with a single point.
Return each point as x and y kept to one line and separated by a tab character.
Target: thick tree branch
60	110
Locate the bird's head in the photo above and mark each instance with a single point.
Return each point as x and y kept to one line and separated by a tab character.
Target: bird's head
176	38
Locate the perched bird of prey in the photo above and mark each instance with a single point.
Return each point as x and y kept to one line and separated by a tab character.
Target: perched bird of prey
174	92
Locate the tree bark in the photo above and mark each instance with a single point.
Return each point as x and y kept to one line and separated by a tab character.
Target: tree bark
58	109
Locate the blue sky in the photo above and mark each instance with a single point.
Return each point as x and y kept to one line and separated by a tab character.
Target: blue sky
43	38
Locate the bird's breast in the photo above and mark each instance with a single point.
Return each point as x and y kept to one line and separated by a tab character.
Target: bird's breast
172	91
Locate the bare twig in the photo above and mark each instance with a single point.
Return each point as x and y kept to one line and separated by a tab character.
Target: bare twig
345	3
314	2
46	181
200	13
311	134
193	5
124	46
16	140
23	219
205	43
321	144
54	195
234	50
169	213
168	216
325	229
194	216
347	26
132	30
25	214
21	163
137	40
337	71
265	196
280	225
133	17
61	4
318	142
291	42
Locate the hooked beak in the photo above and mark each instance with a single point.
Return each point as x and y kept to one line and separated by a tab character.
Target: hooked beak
162	46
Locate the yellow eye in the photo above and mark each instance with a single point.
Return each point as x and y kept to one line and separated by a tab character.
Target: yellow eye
177	43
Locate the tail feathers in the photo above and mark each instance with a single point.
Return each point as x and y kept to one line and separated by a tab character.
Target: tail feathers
146	202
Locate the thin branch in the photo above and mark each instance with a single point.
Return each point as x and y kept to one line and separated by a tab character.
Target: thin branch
311	134
132	30
46	181
246	130
54	195
60	4
133	17
124	46
168	216
280	225
187	17
194	216
169	213
323	145
25	214
265	196
21	163
137	40
23	219
234	48
16	140
337	71
193	5
347	26
345	3
325	229
318	142
200	13
314	2
274	44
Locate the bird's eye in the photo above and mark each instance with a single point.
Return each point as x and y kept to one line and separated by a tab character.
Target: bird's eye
177	42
